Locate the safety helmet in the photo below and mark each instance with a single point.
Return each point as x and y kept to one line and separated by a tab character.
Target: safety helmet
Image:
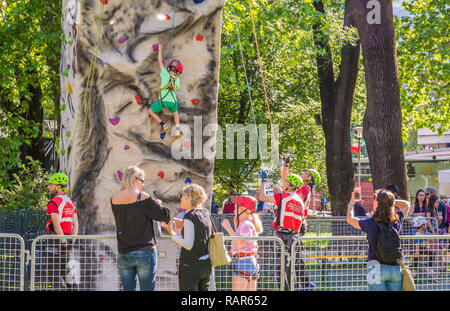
175	63
59	179
419	221
295	180
247	202
315	176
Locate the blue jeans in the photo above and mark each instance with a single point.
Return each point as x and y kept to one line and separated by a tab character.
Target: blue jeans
141	264
384	277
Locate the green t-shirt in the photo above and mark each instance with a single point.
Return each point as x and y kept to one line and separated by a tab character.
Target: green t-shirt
168	95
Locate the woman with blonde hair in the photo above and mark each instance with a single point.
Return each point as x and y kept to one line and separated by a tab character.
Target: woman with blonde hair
381	276
195	269
134	212
247	224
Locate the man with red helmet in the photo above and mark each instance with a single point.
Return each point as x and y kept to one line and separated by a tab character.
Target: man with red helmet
170	82
288	221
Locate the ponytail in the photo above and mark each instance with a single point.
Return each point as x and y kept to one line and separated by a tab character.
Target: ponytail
258	223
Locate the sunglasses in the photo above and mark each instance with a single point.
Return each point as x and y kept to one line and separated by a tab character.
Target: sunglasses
141	180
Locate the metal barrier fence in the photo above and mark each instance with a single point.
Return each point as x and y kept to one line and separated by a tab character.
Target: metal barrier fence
338	226
336	263
340	263
91	265
270	258
12	262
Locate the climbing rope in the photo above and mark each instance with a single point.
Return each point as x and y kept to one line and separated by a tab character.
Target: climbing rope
264	87
171	32
247	83
87	91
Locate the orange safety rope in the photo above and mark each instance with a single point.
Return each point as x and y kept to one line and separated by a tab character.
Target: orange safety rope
264	86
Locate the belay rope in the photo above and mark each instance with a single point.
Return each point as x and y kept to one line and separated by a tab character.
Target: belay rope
248	87
87	91
171	84
264	87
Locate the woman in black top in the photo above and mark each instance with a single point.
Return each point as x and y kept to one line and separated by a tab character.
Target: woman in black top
134	212
195	266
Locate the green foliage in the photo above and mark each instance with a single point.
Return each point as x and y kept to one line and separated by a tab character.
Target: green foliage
30	49
424	70
29	189
288	53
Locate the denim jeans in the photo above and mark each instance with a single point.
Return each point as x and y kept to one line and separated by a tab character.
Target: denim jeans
384	277
141	264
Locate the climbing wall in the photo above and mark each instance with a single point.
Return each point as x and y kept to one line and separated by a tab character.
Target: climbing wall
110	76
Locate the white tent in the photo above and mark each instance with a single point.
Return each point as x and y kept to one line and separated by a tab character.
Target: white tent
444	182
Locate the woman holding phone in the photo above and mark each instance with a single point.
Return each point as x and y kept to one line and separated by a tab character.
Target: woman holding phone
387	276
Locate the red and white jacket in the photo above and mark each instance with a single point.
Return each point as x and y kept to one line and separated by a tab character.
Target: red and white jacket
65	208
290	213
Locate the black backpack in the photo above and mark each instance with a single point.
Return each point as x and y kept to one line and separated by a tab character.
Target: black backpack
388	248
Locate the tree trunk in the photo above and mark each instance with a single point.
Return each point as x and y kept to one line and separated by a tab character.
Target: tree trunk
382	126
35	115
337	98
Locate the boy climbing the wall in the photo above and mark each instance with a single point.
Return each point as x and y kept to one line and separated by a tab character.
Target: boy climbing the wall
170	82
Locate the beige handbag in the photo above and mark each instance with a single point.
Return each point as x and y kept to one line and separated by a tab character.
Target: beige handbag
408	281
217	251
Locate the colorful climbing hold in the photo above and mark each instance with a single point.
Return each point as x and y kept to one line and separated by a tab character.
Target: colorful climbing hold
66	73
63	107
138	99
188	180
195	101
187	144
96	208
68	133
162	17
69	88
126	147
122	40
155	47
63	37
161	174
119	174
104	1
114	121
101	256
70	42
199	37
63	152
162	135
198	1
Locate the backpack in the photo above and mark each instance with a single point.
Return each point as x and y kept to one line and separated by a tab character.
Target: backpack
388	248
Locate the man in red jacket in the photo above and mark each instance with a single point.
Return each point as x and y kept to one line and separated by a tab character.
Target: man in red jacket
62	220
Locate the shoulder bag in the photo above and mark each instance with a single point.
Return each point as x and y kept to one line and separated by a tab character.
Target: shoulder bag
408	281
218	253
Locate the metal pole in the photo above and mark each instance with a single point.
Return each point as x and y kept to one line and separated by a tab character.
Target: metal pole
359	162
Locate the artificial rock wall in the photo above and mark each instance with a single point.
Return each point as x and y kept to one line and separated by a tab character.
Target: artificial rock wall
110	76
